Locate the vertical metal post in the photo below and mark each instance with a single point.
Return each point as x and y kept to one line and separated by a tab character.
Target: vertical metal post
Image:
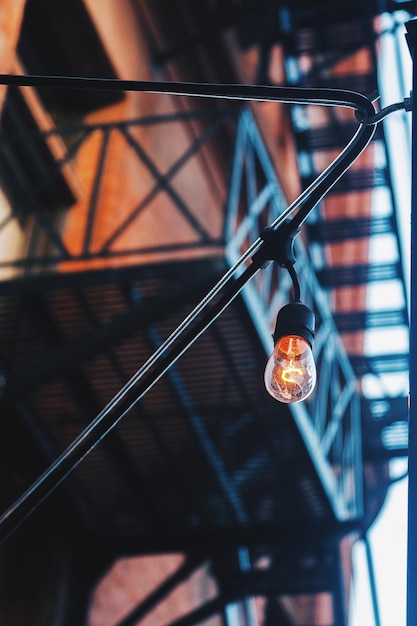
412	449
372	580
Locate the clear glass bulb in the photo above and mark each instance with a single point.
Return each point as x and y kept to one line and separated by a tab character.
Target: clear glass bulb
290	374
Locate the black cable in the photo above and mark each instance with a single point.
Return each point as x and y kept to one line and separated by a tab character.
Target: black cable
382	114
294	95
295	282
225	290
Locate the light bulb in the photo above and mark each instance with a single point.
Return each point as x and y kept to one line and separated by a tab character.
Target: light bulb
290	374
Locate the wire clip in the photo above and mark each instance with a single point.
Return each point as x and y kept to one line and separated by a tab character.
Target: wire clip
278	245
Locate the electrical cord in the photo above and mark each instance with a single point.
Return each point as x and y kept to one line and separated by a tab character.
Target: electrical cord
276	93
295	282
226	289
406	105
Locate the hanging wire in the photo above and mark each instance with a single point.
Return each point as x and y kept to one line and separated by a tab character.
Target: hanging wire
222	294
382	114
276	93
295	282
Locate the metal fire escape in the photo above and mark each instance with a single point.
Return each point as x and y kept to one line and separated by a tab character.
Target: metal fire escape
71	339
316	42
206	464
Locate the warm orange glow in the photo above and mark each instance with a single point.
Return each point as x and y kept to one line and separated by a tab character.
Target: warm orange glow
292	345
290	374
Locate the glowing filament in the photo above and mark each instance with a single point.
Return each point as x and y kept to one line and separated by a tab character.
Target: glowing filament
290	374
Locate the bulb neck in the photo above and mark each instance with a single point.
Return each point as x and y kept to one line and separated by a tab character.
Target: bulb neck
295	318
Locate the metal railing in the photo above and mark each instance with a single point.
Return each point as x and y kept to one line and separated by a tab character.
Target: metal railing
44	237
330	422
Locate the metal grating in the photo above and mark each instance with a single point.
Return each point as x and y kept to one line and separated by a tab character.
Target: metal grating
205	451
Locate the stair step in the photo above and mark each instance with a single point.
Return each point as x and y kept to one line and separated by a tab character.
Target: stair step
363	320
351	275
379	364
336	230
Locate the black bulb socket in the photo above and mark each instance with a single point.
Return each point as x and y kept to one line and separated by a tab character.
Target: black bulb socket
295	318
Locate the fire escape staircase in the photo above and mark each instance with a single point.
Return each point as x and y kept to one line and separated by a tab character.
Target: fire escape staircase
314	46
206	458
254	471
